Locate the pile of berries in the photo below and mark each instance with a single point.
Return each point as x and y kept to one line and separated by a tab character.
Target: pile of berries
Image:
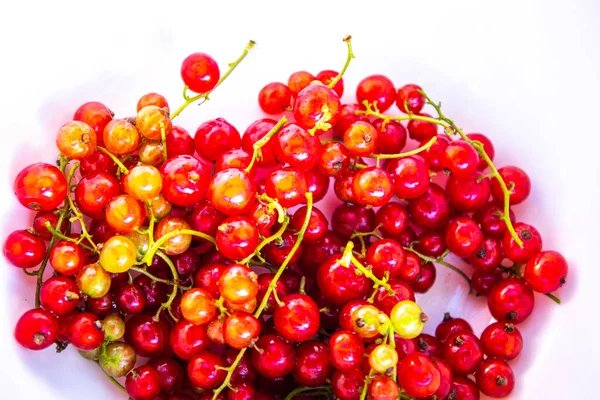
202	268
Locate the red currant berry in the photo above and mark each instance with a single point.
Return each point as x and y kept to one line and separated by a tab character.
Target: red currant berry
348	385
24	249
326	76
200	72
208	277
495	378
392	219
426	279
340	284
238	284
299	80
66	257
60	295
446	378
296	147
316	103
461	159
148	337
418	375
274	98
410	176
297	319
391	137
411	269
185	180
431	210
40	187
431	243
434	154
489	256
317	224
276	357
143	383
37	329
121	137
401	292
346	350
96	115
463	237
187	339
232	192
372	186
346	117
343	186
171	373
377	89
152	99
532	243
489	217
288	186
205	218
450	326
468	194
546	272
383	388
312	367
516	180
207	370
463	352
76	140
409	99
94	191
317	184
386	256
464	389
422	131
241	330
236	158
502	340
482	282
256	131
334	159
85	331
215	137
237	238
361	138
511	300
179	142
349	218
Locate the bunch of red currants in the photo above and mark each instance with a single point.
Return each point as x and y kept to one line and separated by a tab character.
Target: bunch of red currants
201	268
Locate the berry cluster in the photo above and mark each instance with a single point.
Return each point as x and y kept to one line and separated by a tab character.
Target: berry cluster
208	256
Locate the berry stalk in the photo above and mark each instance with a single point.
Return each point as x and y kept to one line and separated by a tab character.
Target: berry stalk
440	260
334	81
156	246
167	304
78	216
122	168
204	96
256	152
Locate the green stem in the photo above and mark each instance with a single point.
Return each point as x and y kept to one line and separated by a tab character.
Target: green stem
263	141
152	250
265	300
154	278
267	240
60	236
406	153
553	298
348	258
334	81
440	260
115	382
479	147
163	138
232	66
167	304
78	216
115	159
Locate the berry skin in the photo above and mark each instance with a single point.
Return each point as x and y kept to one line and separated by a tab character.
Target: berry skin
488	147
383	358
426	278
431	243
482	282
392	219
341	284
40	187
513	177
312	367
200	72
361	138
96	115
198	306
401	292
464	389
37	329
408	319
152	99
179	142
288	185
418	375
386	255
143	182
532	243
118	254
346	350
76	140
326	76
171	373
502	340
463	352
149	338
298	319
39	224
237	238
85	331
372	186
238	284
317	184
376	88
546	272
94	191
488	257
185	180
121	137
489	217
296	147
428	345
431	210
232	192
24	249
422	131
277	357
299	80
215	137
66	257
143	383
450	326
347	385
434	154
60	295
463	237
152	121
256	131
409	96
495	378
274	98
391	137
124	213
468	195
461	159
446	378
118	359
410	176
511	300
241	329
348	218
346	117
317	224
334	159
383	388
314	103
187	339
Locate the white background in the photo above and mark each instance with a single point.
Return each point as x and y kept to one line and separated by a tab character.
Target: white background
523	72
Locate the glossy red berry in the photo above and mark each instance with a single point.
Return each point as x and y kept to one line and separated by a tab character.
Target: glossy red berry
463	352
96	115
299	80
340	284
372	186
434	154
203	372
171	373
489	256
464	389
237	238
187	339
428	345
546	272
532	243
288	186
148	337
377	89
460	159
346	350
276	357
238	284
495	378
383	388
179	142
152	99
85	331
200	72
418	375
489	217
60	295
502	340
24	249
37	329
468	194
401	292
296	147
392	219
422	131
516	180
431	243
348	385
431	210
231	192
346	117
215	137
511	300
450	326
241	329
66	257
317	224
274	98
391	137
94	191
482	282
326	76
185	180
463	237
425	280
317	184
316	103
143	383
410	175
411	269
361	138
256	131
386	256
40	187
349	218
312	367
410	99
297	319
446	378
